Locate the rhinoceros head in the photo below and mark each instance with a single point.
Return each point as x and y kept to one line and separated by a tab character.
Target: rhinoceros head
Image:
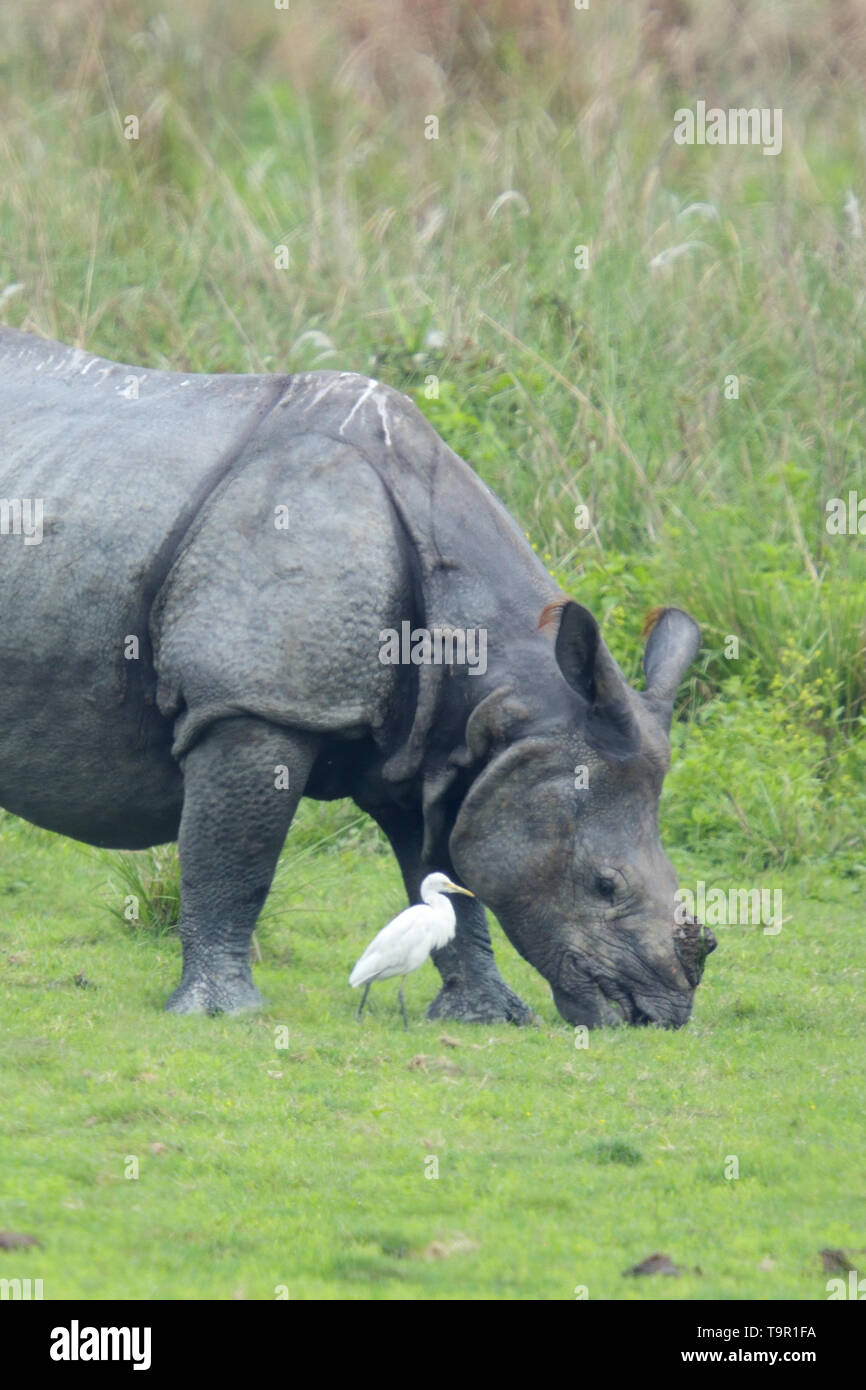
558	834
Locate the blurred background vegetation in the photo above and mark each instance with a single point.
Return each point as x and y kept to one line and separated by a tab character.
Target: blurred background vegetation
454	257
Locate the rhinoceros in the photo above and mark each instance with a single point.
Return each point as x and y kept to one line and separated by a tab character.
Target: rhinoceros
221	593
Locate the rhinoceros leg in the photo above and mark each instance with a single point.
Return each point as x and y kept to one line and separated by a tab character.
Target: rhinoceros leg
237	809
472	990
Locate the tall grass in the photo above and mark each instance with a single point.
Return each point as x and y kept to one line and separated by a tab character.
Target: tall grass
143	886
606	386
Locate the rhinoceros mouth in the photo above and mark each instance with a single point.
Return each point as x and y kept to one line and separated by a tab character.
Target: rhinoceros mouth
595	1008
609	1006
594	1001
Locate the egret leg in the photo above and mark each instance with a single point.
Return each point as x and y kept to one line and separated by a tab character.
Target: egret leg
364	1000
403	1005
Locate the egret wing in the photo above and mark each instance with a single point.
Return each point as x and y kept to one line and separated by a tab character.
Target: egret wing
395	948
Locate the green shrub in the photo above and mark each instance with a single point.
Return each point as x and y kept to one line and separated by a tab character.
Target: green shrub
761	779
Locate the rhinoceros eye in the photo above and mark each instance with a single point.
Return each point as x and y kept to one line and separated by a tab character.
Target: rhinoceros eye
605	886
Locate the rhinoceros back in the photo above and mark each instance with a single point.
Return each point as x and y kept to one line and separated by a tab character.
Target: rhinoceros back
103	468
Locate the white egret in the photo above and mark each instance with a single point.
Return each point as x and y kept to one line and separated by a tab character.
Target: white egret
405	943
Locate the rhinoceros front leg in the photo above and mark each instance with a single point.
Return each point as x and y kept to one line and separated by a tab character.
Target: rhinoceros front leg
472	990
242	785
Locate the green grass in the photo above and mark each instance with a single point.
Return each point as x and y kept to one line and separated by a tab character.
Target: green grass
304	1166
306	129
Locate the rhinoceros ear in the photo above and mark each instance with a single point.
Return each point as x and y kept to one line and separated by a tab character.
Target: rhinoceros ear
589	668
582	656
577	642
672	645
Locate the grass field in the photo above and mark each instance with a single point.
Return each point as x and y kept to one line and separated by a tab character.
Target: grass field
280	207
305	1166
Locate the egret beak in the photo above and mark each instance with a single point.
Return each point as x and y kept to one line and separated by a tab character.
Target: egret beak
455	888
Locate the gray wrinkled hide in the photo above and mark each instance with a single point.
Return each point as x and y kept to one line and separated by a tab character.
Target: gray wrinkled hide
258	649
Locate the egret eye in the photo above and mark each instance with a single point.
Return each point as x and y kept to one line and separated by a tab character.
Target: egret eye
605	886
